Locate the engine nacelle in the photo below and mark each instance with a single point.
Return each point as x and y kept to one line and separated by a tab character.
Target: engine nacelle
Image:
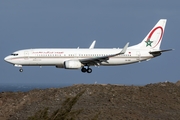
72	64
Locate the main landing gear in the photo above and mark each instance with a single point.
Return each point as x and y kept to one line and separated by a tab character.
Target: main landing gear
88	70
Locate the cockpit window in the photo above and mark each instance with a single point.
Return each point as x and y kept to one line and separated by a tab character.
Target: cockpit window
14	54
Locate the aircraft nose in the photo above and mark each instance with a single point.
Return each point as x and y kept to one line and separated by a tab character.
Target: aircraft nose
7	59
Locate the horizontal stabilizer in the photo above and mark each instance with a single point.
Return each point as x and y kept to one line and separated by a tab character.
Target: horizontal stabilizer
160	51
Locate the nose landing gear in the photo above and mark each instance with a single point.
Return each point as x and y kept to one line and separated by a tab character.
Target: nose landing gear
19	66
20	70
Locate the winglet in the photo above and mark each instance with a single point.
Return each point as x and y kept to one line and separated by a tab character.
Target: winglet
92	45
124	49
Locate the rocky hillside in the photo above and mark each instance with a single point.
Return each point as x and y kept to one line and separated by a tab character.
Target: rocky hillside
94	102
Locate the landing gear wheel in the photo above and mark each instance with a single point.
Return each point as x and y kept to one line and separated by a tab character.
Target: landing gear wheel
21	70
89	70
83	70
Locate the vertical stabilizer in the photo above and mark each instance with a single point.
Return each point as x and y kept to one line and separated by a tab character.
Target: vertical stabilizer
154	37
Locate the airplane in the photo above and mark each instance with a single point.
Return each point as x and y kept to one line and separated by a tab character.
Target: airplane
83	58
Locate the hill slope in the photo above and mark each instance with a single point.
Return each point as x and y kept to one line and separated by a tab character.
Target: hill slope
93	102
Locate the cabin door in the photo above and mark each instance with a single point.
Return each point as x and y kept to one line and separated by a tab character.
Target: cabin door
138	55
26	55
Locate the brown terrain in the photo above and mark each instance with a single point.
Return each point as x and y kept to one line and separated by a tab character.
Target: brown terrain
160	101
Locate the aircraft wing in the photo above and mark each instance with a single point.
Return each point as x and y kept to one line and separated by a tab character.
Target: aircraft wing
98	60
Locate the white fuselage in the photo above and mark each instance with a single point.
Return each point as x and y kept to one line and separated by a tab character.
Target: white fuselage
57	57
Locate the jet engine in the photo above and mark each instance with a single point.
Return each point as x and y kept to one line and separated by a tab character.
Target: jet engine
72	64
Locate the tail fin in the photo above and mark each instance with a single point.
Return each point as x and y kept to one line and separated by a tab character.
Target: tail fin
154	37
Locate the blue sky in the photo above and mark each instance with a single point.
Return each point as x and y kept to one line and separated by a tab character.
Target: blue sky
69	23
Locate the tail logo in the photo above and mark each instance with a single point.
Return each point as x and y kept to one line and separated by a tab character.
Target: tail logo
149	42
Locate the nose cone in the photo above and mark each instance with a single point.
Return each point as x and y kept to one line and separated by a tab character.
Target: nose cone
7	59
